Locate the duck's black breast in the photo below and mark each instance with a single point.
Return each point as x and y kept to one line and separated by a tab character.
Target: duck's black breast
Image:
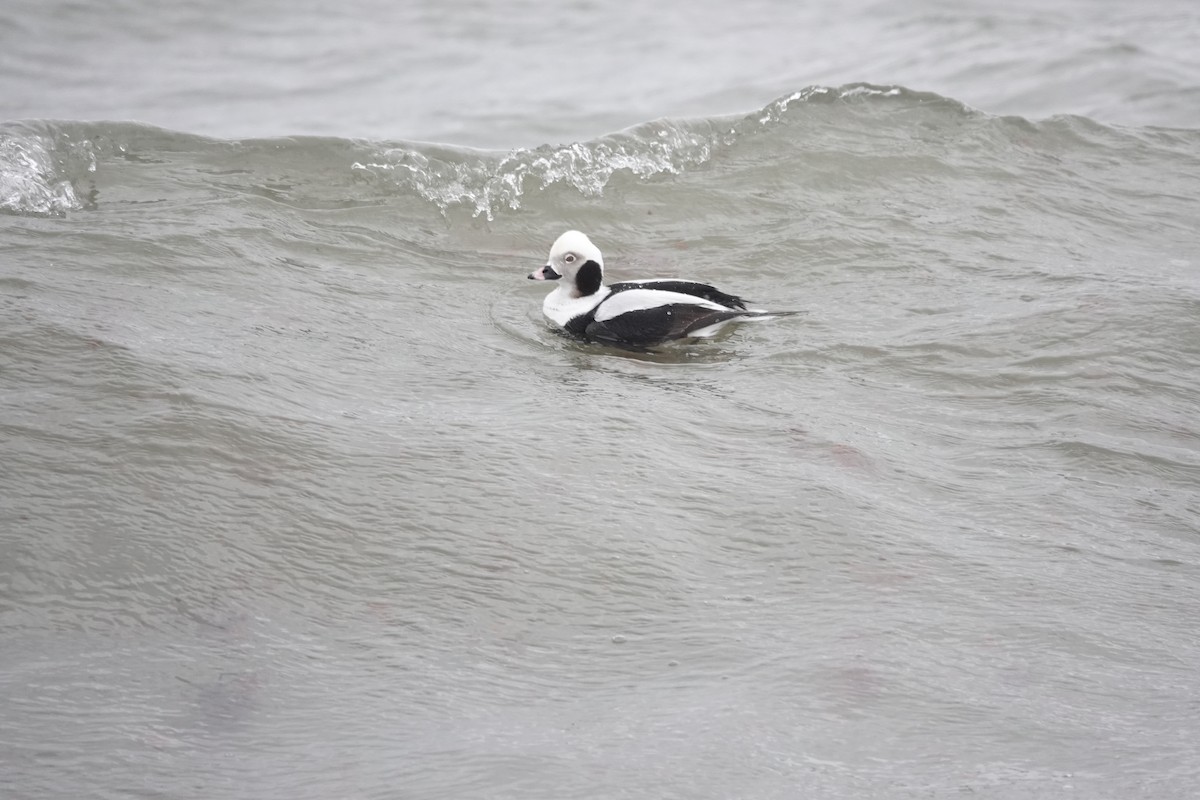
577	326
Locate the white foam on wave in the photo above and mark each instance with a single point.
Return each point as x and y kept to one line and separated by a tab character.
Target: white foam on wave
34	171
489	184
775	110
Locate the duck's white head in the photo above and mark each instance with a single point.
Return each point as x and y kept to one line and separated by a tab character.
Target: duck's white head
577	261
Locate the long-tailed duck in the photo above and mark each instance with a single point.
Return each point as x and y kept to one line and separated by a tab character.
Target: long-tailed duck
633	314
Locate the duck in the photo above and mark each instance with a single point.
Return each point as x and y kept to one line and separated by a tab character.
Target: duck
633	314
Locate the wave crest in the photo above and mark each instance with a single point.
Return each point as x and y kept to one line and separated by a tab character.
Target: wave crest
854	93
487	183
46	167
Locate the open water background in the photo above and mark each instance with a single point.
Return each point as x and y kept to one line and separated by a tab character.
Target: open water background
301	498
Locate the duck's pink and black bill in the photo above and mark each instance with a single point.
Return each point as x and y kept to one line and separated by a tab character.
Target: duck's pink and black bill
545	273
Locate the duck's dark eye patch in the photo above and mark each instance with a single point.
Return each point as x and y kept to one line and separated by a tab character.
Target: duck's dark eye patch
569	258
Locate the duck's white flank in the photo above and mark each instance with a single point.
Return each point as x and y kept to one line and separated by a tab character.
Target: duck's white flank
642	299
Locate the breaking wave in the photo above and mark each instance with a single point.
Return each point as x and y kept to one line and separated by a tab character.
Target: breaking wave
53	168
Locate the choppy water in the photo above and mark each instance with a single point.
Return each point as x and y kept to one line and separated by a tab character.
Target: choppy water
300	497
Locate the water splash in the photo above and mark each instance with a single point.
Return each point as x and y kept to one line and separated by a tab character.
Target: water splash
36	171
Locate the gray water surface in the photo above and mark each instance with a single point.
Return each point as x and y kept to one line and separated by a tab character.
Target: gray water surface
300	497
518	74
